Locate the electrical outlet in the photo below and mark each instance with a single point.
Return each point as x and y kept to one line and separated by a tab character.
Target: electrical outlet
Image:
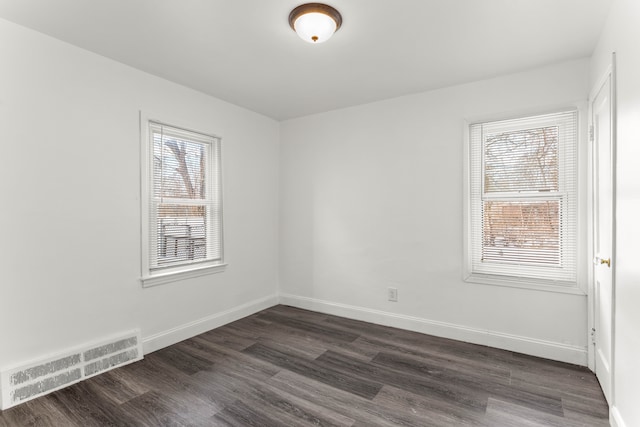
392	294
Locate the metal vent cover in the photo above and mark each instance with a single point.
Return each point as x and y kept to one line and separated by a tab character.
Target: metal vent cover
28	381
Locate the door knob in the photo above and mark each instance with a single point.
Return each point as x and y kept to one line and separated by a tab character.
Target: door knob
607	261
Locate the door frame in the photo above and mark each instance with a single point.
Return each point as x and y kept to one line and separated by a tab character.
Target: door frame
610	73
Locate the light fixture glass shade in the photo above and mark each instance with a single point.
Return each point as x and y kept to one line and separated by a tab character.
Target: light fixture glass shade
315	27
315	22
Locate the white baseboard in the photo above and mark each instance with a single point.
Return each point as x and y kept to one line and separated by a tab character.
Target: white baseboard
615	419
191	329
520	344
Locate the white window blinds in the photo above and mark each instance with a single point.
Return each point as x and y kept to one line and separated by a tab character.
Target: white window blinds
185	198
523	197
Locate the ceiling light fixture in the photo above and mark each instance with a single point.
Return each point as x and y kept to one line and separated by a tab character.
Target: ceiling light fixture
315	22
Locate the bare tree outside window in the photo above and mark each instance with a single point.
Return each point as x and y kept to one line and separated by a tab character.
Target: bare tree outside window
521	165
522	195
179	182
182	212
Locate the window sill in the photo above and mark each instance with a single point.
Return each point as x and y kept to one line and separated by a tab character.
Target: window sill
174	276
561	287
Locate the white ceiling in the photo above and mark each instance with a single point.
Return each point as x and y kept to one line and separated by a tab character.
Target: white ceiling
244	52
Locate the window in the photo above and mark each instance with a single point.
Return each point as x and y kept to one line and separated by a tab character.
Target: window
522	189
182	207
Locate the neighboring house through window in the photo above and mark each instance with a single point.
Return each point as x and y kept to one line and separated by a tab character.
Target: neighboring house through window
182	203
522	189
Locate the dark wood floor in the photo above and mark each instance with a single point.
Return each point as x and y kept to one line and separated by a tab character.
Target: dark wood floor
290	367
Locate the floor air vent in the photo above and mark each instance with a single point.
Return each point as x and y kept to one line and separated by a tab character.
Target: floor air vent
39	378
108	356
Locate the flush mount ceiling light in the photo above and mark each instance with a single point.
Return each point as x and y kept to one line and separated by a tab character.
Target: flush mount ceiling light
315	22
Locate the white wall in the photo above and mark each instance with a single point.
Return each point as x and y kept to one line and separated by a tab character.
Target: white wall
621	34
70	216
372	197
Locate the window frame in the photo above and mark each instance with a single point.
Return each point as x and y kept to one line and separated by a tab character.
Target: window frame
518	280
151	276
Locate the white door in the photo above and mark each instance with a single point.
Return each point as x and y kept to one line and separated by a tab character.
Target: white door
603	290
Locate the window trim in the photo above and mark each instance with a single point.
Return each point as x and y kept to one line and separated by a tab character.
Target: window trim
557	286
185	273
149	277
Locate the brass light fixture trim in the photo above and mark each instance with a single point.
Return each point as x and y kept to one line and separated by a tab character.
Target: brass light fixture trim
322	8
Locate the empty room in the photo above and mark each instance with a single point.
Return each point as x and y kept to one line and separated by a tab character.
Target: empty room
352	213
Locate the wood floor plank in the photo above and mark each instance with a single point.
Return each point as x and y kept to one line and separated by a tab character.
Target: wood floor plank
158	409
362	410
296	313
489	386
81	407
170	381
581	407
239	414
35	413
186	361
433	387
510	414
431	411
229	386
286	411
237	335
567	379
469	355
578	400
371	330
310	345
308	409
115	387
227	358
311	328
486	386
340	379
244	398
429	366
286	366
